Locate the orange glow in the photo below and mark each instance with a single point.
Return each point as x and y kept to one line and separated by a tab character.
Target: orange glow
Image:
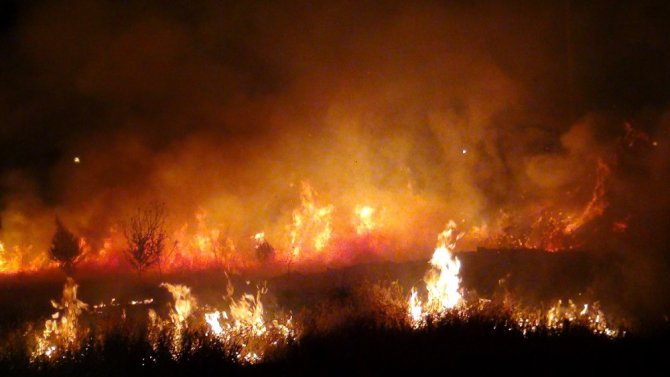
311	228
365	220
597	204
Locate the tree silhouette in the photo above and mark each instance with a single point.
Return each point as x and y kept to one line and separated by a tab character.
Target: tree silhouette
265	252
145	236
65	249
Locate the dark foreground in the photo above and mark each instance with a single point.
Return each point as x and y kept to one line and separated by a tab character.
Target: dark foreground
343	330
360	349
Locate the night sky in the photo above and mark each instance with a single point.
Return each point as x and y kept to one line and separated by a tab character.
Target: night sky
71	71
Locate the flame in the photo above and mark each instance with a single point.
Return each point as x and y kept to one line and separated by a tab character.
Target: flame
311	227
244	328
15	259
176	324
184	302
445	295
442	280
245	325
62	332
365	222
312	235
546	227
416	316
597	204
259	238
199	246
560	315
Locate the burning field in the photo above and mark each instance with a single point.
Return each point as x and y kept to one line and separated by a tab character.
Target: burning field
293	188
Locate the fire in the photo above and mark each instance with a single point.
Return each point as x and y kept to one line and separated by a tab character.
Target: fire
245	325
311	227
15	259
184	302
560	315
415	309
365	222
8	262
177	324
442	280
243	329
259	238
62	332
202	245
547	227
445	295
597	204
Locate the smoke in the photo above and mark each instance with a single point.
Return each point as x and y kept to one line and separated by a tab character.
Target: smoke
428	111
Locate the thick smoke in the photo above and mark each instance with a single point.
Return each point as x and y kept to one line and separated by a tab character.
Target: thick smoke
429	111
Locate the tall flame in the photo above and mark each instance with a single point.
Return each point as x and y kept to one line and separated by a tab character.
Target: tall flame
184	305
443	282
311	226
62	332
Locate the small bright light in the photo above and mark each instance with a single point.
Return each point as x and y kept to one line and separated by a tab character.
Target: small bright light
77	160
655	143
465	151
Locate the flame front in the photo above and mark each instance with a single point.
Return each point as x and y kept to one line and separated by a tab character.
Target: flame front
443	282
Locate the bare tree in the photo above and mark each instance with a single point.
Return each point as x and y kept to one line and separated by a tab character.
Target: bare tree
146	237
65	248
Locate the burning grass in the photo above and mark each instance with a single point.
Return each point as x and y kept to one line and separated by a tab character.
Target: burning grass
367	325
236	331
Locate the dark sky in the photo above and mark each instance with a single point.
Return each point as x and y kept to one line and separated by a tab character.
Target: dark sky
616	59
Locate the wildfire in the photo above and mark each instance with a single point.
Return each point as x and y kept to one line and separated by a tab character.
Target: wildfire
62	332
597	204
259	238
442	280
245	325
560	315
311	227
15	259
243	329
415	309
548	227
204	245
176	324
445	295
365	221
